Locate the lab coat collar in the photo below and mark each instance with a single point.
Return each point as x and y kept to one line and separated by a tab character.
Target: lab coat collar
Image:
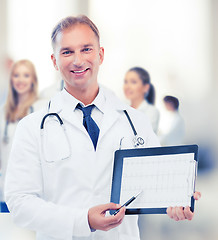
99	101
63	99
113	107
64	104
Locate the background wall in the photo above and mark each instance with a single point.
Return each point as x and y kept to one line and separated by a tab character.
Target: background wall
3	50
176	41
171	39
29	31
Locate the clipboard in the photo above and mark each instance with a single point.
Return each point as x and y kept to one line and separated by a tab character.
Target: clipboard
166	175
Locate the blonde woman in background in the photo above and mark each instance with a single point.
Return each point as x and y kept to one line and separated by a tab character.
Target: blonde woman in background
141	93
22	95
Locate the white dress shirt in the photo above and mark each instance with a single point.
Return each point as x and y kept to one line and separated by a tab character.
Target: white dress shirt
98	110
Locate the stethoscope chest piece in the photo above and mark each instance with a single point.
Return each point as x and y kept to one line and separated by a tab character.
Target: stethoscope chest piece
138	141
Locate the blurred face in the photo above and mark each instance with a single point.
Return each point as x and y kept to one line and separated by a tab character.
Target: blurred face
169	106
22	79
77	56
133	86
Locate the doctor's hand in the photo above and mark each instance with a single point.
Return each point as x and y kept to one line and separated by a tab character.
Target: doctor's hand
98	220
180	213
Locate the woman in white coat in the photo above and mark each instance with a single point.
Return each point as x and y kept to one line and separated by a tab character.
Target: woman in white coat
21	97
141	93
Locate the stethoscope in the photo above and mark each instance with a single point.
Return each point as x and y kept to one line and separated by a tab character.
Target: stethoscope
6	137
56	115
137	141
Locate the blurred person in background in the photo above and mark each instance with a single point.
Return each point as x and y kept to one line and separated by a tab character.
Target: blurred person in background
172	127
141	93
21	100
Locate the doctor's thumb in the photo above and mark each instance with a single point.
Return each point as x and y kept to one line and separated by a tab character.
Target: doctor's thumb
110	206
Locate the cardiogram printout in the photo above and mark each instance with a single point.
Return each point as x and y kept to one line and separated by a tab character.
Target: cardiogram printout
165	175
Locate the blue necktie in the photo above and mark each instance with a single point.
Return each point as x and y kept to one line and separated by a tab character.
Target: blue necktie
89	123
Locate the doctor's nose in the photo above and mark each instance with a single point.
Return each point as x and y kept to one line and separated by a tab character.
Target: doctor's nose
78	60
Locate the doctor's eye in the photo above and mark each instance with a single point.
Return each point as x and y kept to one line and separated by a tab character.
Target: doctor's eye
87	50
66	52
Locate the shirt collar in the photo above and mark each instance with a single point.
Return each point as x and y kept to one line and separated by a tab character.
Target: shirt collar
99	101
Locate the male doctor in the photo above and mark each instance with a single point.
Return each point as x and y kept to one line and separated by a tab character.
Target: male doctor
58	183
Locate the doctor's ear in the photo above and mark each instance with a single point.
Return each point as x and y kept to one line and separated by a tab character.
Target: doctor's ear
101	55
54	61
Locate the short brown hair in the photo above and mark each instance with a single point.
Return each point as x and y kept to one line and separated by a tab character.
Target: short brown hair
173	101
71	21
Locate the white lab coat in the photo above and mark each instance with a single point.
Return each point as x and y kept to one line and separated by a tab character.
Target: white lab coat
152	113
53	198
172	129
5	147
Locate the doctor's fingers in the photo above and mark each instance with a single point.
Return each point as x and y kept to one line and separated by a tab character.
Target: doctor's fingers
109	227
97	218
114	220
180	213
108	206
106	223
197	195
171	212
188	213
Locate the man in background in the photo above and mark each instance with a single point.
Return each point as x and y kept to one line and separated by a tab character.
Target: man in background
172	126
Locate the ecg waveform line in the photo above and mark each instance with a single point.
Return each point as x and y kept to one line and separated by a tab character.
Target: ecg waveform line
165	180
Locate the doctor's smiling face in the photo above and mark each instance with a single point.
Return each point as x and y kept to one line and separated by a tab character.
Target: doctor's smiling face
77	55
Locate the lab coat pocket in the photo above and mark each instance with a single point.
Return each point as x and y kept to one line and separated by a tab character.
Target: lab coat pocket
55	142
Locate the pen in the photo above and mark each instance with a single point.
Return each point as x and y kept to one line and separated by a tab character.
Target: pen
127	203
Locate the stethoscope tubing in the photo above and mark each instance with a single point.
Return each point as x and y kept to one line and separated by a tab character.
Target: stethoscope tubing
51	114
137	140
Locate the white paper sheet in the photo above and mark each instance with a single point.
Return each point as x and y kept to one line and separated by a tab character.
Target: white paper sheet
166	180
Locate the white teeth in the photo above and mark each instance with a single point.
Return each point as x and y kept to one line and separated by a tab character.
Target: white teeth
79	71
